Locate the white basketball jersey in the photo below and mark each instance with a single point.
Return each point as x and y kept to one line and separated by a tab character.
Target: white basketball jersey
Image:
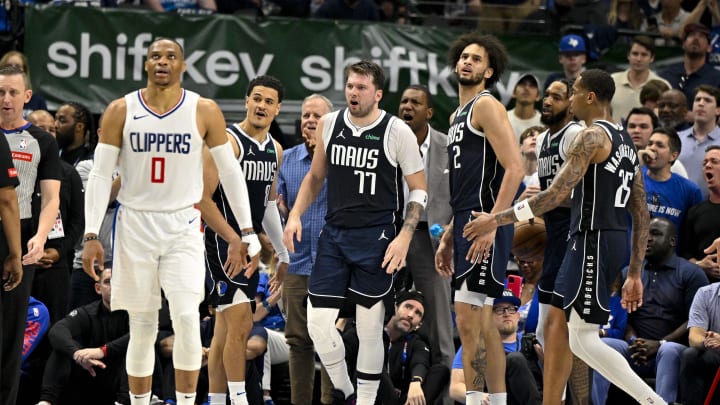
161	156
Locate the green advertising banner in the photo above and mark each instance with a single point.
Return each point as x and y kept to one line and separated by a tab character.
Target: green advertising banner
95	55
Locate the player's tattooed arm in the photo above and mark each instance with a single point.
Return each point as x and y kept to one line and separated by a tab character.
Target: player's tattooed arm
413	211
580	156
637	205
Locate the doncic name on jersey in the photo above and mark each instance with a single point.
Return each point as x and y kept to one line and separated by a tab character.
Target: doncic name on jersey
155	142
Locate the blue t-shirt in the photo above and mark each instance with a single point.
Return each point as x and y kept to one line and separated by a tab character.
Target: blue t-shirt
509	348
671	198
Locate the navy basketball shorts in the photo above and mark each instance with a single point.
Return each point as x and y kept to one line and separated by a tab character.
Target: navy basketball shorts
348	265
557	224
222	289
592	263
483	276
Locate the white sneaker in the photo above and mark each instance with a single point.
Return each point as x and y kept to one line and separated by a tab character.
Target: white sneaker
154	400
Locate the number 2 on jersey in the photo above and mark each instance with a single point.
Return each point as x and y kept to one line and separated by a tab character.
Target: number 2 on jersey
157	170
456	156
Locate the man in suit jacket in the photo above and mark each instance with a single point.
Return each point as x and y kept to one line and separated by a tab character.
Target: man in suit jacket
416	110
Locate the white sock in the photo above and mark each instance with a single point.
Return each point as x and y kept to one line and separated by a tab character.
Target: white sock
367	391
140	399
217	398
586	344
542	316
183	398
473	398
238	395
498	398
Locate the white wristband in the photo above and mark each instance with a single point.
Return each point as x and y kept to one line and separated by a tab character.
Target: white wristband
419	196
523	211
253	244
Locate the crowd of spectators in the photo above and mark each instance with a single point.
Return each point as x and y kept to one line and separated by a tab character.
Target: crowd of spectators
662	19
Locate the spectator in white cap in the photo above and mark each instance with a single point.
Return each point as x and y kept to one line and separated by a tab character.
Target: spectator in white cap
573	56
525	115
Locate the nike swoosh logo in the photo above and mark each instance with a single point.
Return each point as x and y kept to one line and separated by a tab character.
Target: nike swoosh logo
137	117
189	396
192	220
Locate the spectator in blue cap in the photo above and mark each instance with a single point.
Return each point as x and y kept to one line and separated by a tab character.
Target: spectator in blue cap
573	56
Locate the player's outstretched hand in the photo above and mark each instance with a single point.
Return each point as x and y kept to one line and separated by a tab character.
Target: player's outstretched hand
443	258
632	292
483	224
480	247
395	253
293	229
93	251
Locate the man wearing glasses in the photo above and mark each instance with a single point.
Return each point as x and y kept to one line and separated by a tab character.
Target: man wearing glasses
521	384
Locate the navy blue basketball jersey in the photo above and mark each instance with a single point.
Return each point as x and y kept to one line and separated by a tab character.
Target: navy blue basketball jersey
475	172
599	201
550	154
259	162
364	186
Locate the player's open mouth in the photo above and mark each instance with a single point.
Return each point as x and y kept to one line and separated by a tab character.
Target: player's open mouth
354	103
407	117
261	114
709	176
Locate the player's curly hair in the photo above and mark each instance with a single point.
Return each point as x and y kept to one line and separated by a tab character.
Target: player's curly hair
497	54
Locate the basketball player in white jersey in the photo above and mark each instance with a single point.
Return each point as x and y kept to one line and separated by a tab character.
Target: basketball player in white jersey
155	135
